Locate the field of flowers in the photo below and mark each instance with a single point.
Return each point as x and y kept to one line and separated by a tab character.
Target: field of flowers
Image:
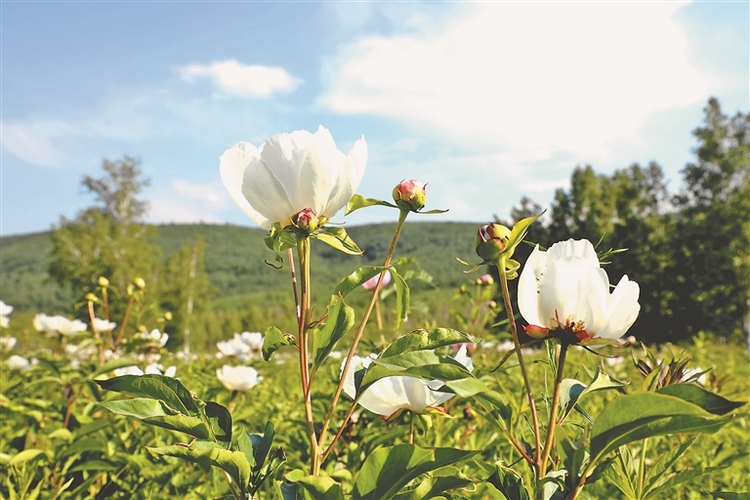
552	403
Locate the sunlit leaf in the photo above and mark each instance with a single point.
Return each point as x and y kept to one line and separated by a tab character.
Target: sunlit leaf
339	320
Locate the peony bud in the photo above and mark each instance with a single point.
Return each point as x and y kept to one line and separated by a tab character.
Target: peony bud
306	220
103	281
140	283
491	241
91	297
168	316
410	195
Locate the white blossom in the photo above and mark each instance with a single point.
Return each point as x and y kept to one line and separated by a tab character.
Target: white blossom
566	288
292	172
389	395
238	378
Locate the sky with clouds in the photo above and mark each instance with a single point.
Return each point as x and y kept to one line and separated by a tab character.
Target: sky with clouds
485	102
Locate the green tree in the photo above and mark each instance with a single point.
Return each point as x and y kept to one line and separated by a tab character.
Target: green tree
106	239
186	292
712	228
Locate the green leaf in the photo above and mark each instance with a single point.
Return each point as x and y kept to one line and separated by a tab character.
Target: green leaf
154	412
355	279
338	238
245	445
233	463
358	201
340	320
426	365
665	462
387	470
318	487
111	365
445	479
518	233
219	422
573	390
402	297
274	340
278	240
509	483
434	211
27	456
729	496
680	478
642	415
712	403
421	340
262	445
167	389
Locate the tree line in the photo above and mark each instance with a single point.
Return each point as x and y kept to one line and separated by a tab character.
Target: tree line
689	250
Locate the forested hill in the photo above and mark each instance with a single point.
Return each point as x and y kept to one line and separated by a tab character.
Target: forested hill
235	260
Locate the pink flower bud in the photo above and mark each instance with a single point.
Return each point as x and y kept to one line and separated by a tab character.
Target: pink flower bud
410	195
306	220
372	282
491	241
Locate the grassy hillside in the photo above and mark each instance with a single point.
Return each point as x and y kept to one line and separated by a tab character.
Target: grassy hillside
235	261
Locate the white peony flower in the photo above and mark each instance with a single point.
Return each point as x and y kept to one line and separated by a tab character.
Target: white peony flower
128	370
244	346
238	378
292	172
17	362
156	337
566	288
103	325
390	395
7	343
5	311
54	325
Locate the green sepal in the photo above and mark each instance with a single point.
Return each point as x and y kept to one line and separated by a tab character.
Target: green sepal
278	240
518	233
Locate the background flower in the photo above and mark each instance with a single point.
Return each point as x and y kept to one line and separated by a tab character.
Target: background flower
566	288
238	378
291	172
391	394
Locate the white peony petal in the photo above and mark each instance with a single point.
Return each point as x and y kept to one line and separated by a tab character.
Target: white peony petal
265	193
350	177
232	165
528	288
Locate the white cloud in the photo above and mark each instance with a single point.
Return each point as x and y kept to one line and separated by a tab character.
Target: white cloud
33	142
237	79
529	79
187	201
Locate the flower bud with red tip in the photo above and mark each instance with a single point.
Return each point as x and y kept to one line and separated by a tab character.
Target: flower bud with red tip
410	195
491	241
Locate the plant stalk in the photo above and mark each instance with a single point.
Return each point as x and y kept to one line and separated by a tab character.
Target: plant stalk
303	253
357	337
521	363
553	412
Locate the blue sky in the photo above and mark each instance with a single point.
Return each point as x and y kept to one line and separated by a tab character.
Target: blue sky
485	102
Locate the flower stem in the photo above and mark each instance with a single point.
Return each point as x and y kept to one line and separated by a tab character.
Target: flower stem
411	427
521	363
357	337
303	254
553	412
